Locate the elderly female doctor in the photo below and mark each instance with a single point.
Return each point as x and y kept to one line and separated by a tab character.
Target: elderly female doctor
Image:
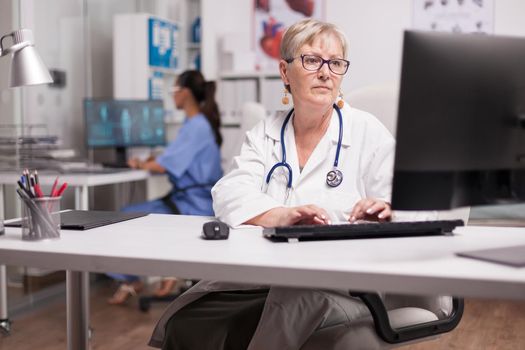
320	162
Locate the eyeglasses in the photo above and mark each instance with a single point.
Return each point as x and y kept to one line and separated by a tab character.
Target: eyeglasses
174	89
337	66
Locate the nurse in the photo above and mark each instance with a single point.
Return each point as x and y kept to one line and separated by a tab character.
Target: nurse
192	162
321	162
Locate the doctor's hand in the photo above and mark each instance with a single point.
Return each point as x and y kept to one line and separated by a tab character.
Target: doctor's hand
372	210
282	216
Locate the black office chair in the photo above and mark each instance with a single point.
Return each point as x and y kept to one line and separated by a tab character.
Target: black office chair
391	335
394	320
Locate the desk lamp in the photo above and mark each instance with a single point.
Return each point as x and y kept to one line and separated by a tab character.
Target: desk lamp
27	67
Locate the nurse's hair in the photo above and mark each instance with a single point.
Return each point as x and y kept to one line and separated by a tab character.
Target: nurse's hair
204	93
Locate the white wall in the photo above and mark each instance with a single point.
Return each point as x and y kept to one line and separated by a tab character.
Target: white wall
509	17
9	98
219	18
374	29
57	29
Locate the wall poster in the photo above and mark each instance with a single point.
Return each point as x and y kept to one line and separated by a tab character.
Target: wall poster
457	16
271	18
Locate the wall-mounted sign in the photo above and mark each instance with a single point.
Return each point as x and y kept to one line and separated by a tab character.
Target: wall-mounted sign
458	16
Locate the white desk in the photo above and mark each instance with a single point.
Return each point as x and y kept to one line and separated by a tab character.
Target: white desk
81	184
170	245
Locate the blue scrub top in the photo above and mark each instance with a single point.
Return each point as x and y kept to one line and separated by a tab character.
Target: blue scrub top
193	158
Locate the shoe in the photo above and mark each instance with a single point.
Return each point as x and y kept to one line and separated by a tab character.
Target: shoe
124	292
166	286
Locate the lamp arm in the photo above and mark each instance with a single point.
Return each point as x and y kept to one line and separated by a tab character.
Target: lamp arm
12	48
2	51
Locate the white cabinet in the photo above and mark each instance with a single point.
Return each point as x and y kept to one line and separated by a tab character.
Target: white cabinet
236	88
146	56
149	51
193	34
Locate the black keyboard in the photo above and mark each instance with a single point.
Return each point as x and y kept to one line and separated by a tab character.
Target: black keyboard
362	230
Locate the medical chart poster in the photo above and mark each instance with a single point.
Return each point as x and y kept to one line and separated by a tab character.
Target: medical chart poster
457	16
271	18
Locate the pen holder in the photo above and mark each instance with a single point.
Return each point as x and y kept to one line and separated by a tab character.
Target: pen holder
41	219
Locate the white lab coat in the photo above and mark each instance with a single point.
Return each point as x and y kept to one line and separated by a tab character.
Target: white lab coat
290	316
366	161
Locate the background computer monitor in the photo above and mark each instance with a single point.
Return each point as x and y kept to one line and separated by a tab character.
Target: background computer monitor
461	121
121	124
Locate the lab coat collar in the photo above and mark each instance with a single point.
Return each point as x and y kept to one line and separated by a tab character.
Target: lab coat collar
274	125
273	129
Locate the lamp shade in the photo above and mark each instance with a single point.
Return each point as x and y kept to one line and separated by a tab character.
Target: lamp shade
27	67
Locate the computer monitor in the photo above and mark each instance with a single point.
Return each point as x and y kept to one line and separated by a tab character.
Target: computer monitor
121	124
461	121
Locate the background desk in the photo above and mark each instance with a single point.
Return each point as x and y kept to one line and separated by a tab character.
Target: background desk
171	246
81	184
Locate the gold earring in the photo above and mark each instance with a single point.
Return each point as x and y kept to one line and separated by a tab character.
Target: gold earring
285	100
341	102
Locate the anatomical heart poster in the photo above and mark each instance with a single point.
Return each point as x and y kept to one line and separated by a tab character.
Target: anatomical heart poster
271	19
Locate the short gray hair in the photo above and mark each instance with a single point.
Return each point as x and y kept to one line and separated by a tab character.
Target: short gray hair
304	32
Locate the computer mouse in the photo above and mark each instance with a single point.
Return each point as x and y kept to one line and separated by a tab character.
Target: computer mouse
215	230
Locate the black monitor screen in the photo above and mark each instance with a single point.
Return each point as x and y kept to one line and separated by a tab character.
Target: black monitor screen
124	123
461	121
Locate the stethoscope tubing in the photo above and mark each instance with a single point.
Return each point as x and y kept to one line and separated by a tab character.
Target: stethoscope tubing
284	163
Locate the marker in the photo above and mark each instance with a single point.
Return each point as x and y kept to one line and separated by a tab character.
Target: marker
62	189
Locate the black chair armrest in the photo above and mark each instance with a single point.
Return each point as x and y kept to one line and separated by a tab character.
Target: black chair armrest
398	335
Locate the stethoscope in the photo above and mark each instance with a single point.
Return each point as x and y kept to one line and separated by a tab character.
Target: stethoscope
333	178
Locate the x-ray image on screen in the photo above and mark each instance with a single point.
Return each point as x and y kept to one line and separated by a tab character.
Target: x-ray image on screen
124	123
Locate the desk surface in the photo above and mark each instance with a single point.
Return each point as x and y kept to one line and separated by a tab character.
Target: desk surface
171	246
79	179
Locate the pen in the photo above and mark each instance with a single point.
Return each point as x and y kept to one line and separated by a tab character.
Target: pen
27	192
32	183
26	174
38	190
43	216
62	189
53	189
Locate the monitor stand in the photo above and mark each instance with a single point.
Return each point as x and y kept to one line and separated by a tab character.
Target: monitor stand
121	159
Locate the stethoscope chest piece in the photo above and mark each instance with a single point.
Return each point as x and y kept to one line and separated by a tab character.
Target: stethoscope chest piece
334	178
